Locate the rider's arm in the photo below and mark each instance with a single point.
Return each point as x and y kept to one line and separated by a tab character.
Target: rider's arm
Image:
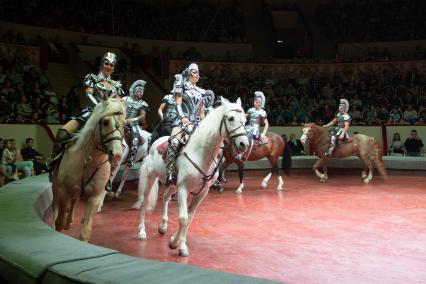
346	128
90	96
160	110
265	128
141	117
202	113
333	122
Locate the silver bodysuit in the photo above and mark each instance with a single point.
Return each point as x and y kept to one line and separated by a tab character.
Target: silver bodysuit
134	108
192	101
255	119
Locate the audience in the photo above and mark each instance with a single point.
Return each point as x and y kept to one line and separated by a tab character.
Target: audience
30	154
414	145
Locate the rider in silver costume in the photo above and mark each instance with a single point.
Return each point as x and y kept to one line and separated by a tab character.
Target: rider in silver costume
97	87
190	110
135	114
340	132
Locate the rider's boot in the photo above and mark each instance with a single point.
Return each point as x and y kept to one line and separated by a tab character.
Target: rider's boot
172	153
61	139
133	152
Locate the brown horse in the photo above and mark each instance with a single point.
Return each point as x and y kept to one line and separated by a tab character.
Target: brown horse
360	145
272	150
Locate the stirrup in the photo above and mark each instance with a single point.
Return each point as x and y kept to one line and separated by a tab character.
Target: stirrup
108	186
130	163
170	179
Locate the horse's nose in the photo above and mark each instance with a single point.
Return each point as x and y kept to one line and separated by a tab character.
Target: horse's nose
243	146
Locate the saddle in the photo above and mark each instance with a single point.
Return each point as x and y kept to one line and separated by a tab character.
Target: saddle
257	142
349	140
162	149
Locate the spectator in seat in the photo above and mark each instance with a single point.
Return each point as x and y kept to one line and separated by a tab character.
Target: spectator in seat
397	147
30	154
14	159
410	114
296	146
414	145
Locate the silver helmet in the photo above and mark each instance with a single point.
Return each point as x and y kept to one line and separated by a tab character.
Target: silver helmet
136	86
344	104
109	57
259	96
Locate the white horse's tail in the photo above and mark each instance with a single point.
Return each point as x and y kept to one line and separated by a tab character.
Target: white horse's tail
152	197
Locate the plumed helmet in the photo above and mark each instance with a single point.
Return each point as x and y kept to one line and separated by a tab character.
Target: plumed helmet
136	86
187	71
259	96
345	104
208	98
109	57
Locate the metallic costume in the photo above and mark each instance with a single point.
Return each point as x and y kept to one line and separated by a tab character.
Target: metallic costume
103	88
342	116
192	104
256	117
135	108
164	128
98	88
208	101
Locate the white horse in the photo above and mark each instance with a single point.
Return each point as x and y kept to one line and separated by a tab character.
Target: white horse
197	167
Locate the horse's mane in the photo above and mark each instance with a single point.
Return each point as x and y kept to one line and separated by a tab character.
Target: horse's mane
213	118
105	108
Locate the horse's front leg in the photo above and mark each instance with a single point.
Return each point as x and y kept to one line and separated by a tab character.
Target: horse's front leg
162	228
70	216
89	214
196	201
183	218
325	172
240	165
319	163
123	180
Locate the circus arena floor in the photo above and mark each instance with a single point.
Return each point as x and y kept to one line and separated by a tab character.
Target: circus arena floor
343	231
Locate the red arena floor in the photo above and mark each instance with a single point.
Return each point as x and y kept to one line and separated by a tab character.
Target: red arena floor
340	232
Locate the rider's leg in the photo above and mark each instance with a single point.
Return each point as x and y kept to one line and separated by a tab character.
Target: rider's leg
332	146
134	146
172	152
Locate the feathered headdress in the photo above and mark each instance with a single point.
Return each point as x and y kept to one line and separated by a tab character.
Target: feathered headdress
137	85
345	104
259	96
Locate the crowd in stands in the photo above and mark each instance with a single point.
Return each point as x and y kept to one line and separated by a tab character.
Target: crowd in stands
372	21
192	20
26	94
390	97
25	162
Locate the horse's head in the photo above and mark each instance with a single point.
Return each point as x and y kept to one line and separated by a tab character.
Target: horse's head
308	132
109	131
232	126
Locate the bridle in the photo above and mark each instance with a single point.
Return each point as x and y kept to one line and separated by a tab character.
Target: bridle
108	137
231	137
229	133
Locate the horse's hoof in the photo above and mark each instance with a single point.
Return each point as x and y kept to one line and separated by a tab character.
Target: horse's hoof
172	245
280	187
137	205
224	180
323	180
142	236
366	180
162	229
110	194
263	185
239	190
183	252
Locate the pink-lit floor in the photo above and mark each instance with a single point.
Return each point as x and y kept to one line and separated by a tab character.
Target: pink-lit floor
340	232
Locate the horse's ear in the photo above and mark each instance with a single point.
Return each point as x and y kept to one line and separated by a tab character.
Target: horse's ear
223	100
238	102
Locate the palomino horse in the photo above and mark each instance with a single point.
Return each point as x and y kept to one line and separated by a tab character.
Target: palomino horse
361	145
197	169
85	166
272	150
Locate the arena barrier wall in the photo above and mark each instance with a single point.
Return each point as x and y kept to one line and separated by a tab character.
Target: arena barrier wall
32	252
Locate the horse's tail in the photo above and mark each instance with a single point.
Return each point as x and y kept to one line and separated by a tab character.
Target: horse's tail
378	158
286	162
